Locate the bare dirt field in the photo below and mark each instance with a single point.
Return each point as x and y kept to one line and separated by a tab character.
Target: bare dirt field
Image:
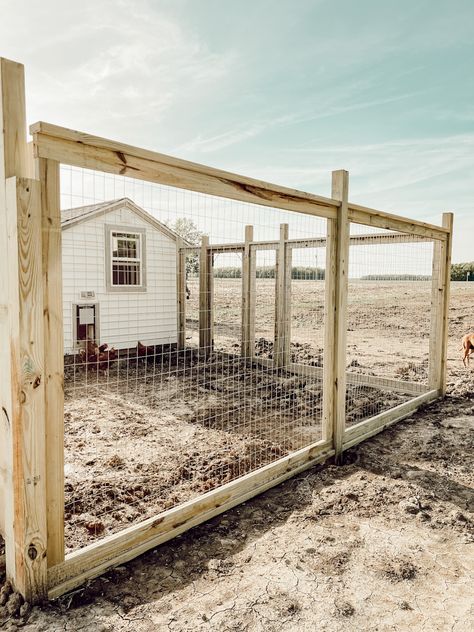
382	542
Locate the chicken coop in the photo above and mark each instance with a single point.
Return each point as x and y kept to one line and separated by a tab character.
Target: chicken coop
177	339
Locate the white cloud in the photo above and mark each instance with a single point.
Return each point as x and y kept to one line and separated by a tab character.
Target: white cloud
110	66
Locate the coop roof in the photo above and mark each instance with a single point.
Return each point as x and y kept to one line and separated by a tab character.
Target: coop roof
72	216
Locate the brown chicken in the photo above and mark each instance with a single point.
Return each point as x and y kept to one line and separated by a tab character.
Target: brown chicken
144	350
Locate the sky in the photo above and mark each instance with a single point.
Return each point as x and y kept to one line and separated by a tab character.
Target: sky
284	91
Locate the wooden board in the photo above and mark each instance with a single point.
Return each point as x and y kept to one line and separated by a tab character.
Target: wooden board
340	191
13	162
368	428
206	296
448	220
246	343
181	293
116	549
92	152
281	343
356	379
379	219
25	528
47	172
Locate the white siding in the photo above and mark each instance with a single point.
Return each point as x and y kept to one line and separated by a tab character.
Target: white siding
124	317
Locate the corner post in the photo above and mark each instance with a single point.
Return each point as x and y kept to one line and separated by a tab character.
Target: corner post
281	347
334	368
441	277
247	343
22	390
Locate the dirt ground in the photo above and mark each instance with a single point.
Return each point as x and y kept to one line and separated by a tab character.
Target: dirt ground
382	542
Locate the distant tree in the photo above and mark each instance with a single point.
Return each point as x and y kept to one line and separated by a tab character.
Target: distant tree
188	230
462	271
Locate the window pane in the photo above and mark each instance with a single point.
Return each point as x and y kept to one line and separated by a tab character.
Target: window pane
126	274
125	245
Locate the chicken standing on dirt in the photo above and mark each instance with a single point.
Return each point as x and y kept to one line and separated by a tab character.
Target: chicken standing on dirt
97	357
467	347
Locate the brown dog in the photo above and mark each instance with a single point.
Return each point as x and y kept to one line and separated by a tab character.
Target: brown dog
467	347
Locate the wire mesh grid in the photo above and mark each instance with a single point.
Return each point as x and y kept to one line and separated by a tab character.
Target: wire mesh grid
389	320
151	423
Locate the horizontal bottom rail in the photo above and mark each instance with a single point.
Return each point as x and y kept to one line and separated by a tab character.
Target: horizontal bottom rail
362	379
368	428
95	559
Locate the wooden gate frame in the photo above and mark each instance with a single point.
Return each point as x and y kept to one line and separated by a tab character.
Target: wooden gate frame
31	351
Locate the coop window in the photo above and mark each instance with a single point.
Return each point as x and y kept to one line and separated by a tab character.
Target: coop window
126	260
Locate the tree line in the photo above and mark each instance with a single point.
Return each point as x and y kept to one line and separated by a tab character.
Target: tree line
462	271
306	273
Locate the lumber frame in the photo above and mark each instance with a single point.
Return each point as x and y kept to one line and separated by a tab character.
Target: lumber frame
248	301
31	353
356	379
93	152
47	171
96	558
448	220
281	344
340	234
181	293
206	298
440	308
369	427
23	432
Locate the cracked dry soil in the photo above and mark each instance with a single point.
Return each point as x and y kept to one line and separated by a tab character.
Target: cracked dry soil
383	542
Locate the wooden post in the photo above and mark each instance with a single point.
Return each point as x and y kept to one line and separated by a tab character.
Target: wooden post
330	283
181	293
440	308
47	172
247	344
281	349
206	318
22	391
334	371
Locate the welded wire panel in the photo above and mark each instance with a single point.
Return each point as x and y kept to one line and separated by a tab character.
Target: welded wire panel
307	305
389	322
150	423
227	308
265	290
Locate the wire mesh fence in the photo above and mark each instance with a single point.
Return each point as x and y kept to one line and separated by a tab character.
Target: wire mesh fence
150	424
389	319
187	389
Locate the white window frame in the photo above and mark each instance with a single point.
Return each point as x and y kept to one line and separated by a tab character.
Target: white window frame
110	235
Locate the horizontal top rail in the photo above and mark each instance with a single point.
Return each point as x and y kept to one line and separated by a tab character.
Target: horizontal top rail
93	152
314	242
371	217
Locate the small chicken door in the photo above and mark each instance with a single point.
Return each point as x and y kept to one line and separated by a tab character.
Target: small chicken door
86	324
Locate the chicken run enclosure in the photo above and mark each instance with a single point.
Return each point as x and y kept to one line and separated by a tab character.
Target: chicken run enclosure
177	339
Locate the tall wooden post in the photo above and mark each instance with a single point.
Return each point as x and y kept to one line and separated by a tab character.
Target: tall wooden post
181	293
22	386
206	295
248	343
440	308
281	348
335	337
47	172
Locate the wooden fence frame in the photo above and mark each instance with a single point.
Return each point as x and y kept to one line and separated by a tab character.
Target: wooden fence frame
31	352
